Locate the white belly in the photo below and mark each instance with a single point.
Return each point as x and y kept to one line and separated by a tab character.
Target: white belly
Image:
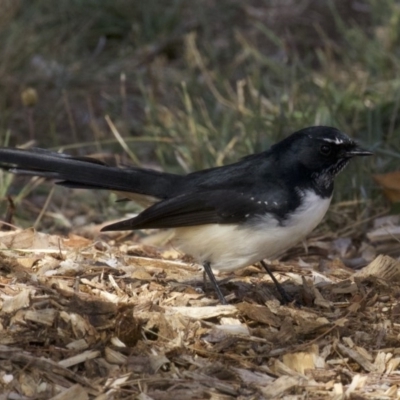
229	247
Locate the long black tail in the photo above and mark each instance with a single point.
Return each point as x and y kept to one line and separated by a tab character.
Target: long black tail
86	172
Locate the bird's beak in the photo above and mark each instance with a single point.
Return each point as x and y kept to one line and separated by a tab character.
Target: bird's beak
358	151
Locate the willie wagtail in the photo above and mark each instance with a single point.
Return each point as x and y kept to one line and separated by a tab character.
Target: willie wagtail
226	217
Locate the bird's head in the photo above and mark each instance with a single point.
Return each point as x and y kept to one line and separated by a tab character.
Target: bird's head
318	152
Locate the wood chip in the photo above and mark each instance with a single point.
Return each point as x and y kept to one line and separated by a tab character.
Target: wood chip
383	267
255	378
202	312
114	357
44	317
155	335
357	357
302	361
357	382
75	392
21	300
80	344
79	358
388	233
281	385
260	314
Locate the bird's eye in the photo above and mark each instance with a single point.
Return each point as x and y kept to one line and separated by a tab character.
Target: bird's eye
325	149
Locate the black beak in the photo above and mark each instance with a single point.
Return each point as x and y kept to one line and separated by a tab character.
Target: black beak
358	151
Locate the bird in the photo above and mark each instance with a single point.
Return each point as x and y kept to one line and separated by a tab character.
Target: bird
226	217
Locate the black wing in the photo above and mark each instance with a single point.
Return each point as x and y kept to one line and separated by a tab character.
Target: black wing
205	207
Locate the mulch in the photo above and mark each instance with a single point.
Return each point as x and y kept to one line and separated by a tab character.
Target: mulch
112	319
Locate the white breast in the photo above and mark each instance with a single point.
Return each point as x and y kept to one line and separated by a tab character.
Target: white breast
229	247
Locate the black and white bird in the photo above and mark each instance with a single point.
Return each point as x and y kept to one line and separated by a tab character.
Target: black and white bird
225	217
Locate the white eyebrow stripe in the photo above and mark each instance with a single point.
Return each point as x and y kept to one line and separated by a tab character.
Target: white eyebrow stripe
336	140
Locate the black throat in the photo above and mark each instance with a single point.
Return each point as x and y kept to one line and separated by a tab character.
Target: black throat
323	181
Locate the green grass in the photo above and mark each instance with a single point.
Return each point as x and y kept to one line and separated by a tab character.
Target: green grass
196	84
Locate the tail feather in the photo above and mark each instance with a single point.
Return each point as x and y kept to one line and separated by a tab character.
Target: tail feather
86	172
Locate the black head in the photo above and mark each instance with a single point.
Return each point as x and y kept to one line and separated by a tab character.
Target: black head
319	153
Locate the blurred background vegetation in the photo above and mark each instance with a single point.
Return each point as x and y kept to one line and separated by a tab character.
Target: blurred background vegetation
193	84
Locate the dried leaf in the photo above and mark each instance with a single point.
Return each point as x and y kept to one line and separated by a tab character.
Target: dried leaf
390	184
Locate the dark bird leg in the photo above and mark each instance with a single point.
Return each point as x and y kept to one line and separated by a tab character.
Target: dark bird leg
284	296
210	274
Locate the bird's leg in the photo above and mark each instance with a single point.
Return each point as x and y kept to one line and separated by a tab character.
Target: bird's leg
210	274
284	296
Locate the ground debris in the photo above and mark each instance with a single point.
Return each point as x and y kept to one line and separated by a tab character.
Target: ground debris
84	321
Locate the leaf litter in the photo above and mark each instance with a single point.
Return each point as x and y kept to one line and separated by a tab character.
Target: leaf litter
87	319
